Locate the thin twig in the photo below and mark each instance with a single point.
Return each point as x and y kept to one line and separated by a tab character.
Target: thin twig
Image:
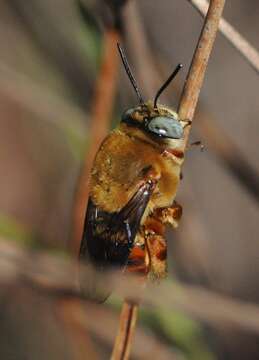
249	53
101	115
199	63
79	336
196	73
223	146
193	85
146	345
128	318
56	277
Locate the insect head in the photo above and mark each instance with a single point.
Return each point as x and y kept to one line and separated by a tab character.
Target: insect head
157	122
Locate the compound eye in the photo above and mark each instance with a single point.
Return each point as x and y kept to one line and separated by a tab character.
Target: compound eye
166	127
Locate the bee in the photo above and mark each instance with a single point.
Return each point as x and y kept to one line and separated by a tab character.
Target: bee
132	191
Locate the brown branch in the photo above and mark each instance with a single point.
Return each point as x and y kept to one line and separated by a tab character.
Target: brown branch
186	111
128	318
76	333
223	146
249	53
84	319
101	114
56	277
199	63
196	73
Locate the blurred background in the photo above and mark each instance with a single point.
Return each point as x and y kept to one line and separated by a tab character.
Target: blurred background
51	56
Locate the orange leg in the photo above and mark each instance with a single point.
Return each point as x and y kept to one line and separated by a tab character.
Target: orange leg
157	250
150	259
156	247
138	261
169	215
148	256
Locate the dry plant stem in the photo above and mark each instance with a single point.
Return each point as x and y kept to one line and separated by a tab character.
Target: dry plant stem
199	63
75	332
145	344
128	318
226	150
55	277
101	114
189	97
249	53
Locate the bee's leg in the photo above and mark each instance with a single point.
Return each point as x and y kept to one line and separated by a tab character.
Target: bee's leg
138	261
148	256
157	251
169	215
149	253
196	143
155	247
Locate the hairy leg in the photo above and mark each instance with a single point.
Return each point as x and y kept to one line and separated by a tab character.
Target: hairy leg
169	215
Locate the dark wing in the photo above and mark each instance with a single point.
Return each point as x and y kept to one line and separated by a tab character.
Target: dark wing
109	237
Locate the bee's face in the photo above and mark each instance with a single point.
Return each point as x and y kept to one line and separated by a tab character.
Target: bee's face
159	123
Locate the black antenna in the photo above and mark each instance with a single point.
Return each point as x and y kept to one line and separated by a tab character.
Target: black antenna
129	73
164	86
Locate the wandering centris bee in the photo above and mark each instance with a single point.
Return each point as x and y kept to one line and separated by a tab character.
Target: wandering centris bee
132	191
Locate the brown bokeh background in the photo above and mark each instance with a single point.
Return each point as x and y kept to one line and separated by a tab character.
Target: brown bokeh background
48	66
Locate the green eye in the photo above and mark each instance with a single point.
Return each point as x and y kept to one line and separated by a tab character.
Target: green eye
165	127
